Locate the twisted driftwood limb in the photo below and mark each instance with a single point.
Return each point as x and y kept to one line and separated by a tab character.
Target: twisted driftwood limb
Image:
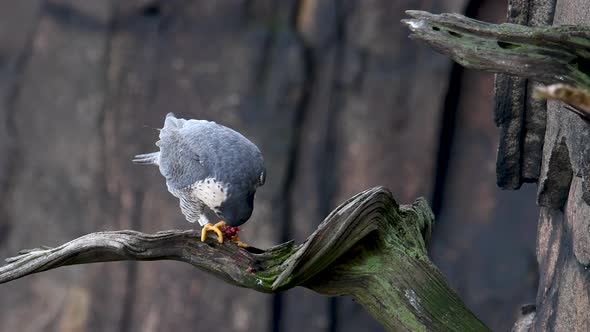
369	248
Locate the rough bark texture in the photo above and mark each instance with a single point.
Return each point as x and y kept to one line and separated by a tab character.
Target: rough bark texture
520	118
563	300
368	248
563	191
541	13
547	54
509	111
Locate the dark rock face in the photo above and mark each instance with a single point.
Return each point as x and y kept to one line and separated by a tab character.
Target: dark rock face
333	93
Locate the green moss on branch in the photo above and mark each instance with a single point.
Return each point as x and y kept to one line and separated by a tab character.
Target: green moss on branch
547	54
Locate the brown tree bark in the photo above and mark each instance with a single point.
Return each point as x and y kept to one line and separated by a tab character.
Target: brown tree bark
563	238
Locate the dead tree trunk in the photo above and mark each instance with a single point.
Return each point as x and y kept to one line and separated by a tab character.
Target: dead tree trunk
563	238
561	164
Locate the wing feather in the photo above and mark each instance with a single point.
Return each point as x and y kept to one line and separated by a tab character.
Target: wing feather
191	207
180	161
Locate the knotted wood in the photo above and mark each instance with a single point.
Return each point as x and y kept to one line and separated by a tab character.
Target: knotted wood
369	248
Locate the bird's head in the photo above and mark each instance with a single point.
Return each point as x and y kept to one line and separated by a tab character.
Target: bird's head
236	210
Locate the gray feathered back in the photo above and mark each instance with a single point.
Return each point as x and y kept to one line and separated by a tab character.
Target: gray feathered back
192	151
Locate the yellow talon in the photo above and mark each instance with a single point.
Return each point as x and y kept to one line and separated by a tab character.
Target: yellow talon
220	224
239	243
215	228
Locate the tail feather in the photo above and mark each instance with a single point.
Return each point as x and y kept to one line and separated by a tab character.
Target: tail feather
147	159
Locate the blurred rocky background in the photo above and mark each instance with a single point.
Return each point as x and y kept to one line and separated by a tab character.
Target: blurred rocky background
333	92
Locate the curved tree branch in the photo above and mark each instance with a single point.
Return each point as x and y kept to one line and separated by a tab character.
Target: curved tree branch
369	248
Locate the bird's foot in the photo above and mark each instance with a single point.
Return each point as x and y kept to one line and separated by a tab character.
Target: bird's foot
241	244
217	228
231	232
223	231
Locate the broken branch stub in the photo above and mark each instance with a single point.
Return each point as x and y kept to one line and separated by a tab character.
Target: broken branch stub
369	248
578	99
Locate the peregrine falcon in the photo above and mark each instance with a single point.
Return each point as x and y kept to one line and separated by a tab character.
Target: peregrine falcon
209	165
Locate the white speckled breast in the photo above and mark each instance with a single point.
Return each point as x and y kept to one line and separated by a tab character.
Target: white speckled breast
211	192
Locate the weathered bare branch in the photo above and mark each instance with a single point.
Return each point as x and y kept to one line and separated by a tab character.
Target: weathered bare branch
578	99
369	248
547	54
